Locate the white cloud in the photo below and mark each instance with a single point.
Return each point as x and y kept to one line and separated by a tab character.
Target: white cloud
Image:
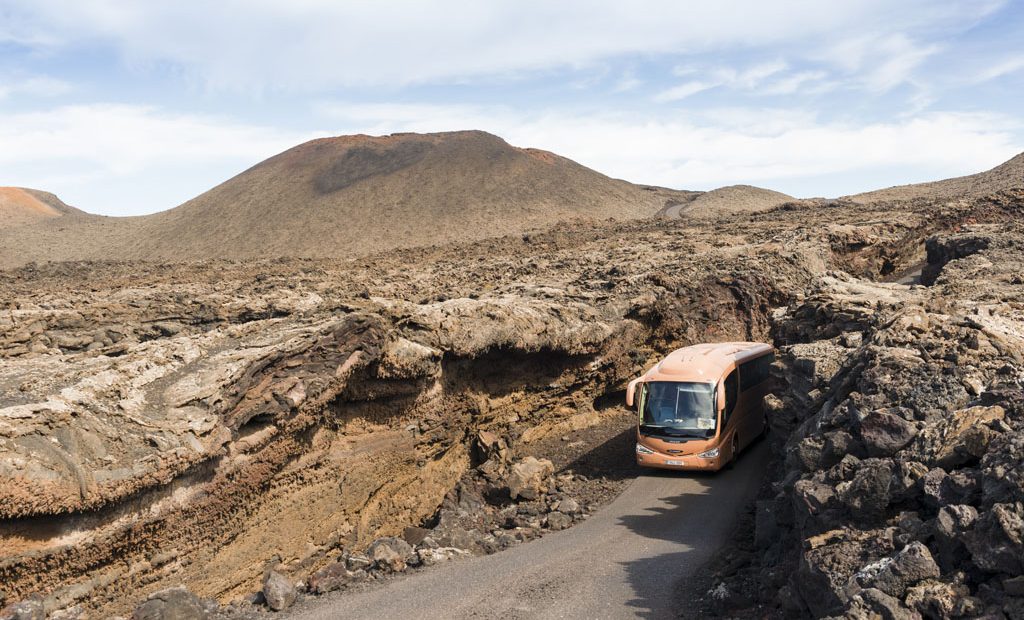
626	82
313	45
752	79
879	62
35	86
86	152
1001	68
684	90
806	81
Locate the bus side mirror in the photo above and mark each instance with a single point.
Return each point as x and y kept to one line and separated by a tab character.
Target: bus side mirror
631	392
721	397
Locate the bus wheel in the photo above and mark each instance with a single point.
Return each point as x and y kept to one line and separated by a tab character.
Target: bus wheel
735	452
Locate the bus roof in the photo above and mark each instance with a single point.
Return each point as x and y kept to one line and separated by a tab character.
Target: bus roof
705	362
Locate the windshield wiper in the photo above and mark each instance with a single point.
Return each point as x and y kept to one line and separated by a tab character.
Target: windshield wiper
668	431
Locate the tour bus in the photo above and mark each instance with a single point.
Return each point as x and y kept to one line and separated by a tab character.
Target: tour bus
701	405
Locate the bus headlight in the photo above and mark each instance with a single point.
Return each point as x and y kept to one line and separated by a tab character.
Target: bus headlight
642	449
709	454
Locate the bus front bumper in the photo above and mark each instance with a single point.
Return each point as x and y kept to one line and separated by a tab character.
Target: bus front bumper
690	462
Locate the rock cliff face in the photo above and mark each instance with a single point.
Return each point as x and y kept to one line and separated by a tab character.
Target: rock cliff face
900	474
201	423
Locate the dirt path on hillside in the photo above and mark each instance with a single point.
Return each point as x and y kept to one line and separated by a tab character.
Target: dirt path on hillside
631	559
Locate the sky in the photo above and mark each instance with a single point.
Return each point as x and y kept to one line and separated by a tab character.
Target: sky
125	108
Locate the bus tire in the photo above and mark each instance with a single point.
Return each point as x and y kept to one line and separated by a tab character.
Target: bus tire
735	452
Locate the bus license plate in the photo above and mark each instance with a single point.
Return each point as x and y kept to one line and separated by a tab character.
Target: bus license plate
673	463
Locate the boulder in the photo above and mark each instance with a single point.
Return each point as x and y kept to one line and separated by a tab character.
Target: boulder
838	445
824	572
528	478
894	575
171	604
335	576
461	538
28	609
558	520
568	506
490	446
934	599
812	497
809	453
996	541
278	591
868	494
885	434
390	554
886	607
955	439
952	521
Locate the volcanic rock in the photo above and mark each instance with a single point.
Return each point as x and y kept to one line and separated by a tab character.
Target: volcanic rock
391	554
29	609
334	576
278	591
171	604
528	478
885	433
558	520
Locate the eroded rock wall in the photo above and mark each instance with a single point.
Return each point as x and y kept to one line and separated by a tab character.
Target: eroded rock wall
899	485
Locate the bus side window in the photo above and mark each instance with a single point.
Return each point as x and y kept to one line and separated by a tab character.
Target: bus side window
731	393
755	372
748	375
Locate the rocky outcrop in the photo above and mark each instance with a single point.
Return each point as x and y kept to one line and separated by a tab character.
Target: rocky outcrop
900	485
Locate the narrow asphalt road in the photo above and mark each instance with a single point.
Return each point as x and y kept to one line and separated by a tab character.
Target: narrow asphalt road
629	560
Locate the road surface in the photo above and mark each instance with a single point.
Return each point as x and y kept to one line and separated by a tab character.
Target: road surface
628	560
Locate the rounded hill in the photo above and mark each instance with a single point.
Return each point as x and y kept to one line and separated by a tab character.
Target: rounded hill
354	195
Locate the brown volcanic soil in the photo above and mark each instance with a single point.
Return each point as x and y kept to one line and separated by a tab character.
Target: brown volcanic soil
20	206
728	200
195	423
354	195
1008	175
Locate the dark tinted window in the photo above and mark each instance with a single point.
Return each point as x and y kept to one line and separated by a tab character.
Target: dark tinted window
755	372
731	394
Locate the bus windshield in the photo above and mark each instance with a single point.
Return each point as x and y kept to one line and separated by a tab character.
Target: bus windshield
678	409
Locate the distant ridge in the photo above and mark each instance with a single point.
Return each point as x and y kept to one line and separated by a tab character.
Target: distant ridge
353	195
1009	174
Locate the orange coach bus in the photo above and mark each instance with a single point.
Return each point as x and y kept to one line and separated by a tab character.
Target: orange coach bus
701	405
